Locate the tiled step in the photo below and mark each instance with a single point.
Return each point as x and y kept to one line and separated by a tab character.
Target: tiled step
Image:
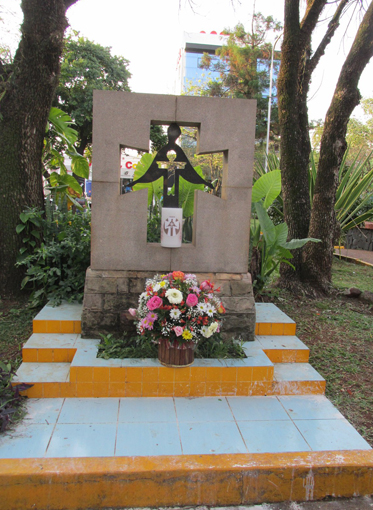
65	318
284	349
297	379
272	321
55	347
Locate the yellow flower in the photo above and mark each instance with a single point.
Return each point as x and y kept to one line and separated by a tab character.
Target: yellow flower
187	335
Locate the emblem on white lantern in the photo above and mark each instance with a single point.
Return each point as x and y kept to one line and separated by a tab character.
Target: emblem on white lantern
171	227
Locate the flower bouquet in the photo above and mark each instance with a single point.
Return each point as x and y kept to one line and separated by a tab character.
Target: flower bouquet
177	313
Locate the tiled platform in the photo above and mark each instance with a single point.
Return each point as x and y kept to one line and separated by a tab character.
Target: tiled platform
108	427
258	430
79	373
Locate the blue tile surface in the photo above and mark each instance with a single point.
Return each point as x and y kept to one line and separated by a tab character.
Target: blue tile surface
323	435
272	437
89	410
203	409
211	438
296	372
142	439
147	410
83	440
312	407
26	441
43	410
257	408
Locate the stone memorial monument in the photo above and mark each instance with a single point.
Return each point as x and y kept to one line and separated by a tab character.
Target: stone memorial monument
121	257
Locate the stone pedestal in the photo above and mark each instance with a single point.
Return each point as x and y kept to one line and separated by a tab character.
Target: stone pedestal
109	294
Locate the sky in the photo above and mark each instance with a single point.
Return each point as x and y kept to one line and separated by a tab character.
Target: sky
148	33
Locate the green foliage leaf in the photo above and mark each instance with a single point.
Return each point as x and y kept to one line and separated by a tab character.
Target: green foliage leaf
80	166
186	193
268	186
19	228
154	188
266	224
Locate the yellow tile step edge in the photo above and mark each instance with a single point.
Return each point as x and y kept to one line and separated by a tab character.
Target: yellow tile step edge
193	480
66	355
197	389
52	326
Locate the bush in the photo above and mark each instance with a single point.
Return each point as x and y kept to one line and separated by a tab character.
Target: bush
56	253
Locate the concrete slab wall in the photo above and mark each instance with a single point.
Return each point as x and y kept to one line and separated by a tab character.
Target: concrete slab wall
221	225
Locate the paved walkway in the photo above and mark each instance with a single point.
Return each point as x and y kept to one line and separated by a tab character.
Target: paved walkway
363	255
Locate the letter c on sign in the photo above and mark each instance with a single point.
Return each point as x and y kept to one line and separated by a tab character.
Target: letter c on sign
128	164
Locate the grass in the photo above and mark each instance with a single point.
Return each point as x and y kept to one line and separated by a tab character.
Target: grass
15	328
339	333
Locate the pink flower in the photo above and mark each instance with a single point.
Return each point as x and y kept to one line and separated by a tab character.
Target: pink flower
178	330
152	316
132	311
205	285
146	324
196	290
154	302
191	300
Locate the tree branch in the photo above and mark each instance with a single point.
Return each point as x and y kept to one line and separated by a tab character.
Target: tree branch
311	17
332	27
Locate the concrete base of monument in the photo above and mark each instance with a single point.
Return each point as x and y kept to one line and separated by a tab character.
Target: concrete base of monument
109	294
258	430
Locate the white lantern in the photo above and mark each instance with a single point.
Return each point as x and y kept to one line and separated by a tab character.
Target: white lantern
171	227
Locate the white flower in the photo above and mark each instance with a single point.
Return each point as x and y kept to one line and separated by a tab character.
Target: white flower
175	313
213	327
210	309
174	296
206	332
201	307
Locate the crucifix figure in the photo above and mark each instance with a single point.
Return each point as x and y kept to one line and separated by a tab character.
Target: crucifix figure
187	172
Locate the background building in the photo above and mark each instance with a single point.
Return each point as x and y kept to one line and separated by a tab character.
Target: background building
194	45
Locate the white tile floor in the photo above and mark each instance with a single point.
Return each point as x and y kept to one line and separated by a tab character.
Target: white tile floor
175	426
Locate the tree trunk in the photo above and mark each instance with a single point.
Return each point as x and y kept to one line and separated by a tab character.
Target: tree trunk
318	256
293	85
24	110
297	65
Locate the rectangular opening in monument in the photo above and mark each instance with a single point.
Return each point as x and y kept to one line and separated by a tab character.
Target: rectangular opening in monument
135	164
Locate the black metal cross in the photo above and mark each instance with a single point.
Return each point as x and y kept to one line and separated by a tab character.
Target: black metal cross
187	172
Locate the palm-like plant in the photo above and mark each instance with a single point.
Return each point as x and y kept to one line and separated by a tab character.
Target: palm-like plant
353	194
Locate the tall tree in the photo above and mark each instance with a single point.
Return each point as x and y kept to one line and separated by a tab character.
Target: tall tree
26	93
244	67
318	257
87	66
298	62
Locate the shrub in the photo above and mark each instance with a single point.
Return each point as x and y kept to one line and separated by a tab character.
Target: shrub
56	253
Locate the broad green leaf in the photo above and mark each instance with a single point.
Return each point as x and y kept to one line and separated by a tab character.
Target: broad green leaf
19	228
70	181
24	217
186	193
298	243
281	233
80	166
268	186
154	188
62	122
266	224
